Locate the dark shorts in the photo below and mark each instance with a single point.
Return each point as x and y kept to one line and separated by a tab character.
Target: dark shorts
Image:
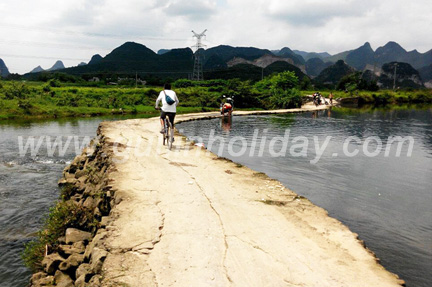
170	116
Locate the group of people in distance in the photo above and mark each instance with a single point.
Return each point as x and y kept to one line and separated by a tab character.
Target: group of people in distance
318	99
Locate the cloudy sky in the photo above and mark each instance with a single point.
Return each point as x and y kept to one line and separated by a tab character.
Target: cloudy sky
40	32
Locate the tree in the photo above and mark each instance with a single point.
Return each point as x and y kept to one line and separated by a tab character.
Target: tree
280	90
356	81
285	80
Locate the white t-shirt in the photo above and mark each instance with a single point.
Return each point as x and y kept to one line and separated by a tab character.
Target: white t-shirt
165	107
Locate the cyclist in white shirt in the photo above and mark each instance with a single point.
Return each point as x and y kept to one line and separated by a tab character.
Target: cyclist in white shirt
167	109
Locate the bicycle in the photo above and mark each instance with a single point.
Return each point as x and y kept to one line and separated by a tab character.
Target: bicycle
168	134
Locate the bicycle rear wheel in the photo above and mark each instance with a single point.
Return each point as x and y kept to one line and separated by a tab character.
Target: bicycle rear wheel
170	135
165	134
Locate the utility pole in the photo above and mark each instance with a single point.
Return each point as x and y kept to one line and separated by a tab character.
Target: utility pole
136	79
197	71
394	77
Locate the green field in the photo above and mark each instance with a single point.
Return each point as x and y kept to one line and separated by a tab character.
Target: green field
53	99
40	100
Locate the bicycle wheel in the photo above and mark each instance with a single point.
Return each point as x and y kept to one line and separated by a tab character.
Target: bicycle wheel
170	135
165	134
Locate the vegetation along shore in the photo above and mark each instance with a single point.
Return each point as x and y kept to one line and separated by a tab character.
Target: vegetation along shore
55	99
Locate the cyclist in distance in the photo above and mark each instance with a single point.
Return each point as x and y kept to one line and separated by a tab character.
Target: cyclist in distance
169	105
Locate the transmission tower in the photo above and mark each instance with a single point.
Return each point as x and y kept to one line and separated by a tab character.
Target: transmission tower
197	71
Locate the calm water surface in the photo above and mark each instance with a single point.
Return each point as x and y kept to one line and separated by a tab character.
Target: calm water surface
387	200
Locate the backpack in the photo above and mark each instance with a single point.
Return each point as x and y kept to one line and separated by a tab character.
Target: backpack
168	99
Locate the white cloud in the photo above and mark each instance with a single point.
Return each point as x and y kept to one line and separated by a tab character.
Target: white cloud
46	30
315	12
193	9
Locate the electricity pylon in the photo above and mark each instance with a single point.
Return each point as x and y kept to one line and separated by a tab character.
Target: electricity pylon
197	71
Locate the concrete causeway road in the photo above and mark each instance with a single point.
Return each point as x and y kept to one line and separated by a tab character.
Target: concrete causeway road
188	218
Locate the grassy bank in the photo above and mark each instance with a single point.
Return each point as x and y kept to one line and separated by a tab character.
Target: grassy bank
383	97
32	100
52	99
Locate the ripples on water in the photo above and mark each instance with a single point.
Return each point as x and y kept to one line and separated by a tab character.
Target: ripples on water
28	188
387	200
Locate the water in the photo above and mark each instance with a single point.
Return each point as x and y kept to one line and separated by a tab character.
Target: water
28	184
387	200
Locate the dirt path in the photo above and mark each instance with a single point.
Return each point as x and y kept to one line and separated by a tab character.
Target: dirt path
188	218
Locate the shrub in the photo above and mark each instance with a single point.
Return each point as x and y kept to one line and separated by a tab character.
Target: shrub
285	99
382	99
16	91
46	88
64	215
54	83
183	83
25	105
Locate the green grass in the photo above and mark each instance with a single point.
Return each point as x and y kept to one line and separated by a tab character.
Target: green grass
382	96
62	216
38	100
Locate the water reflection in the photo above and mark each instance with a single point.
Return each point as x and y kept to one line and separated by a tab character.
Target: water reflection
386	199
226	123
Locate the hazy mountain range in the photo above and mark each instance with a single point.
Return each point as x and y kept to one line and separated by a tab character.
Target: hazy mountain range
245	62
57	66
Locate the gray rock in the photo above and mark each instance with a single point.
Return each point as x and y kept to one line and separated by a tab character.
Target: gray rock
95	281
37	276
80	173
84	270
80	282
88	190
75	235
51	262
97	241
83	179
75	259
97	258
89	203
62	240
99	202
72	262
44	281
79	246
62	181
104	221
62	279
97	213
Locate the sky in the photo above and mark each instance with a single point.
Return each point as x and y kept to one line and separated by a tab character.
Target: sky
41	32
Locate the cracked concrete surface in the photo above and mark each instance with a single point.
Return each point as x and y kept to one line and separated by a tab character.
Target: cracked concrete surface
183	220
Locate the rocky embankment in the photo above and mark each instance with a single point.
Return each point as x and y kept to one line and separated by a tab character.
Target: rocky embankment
78	257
